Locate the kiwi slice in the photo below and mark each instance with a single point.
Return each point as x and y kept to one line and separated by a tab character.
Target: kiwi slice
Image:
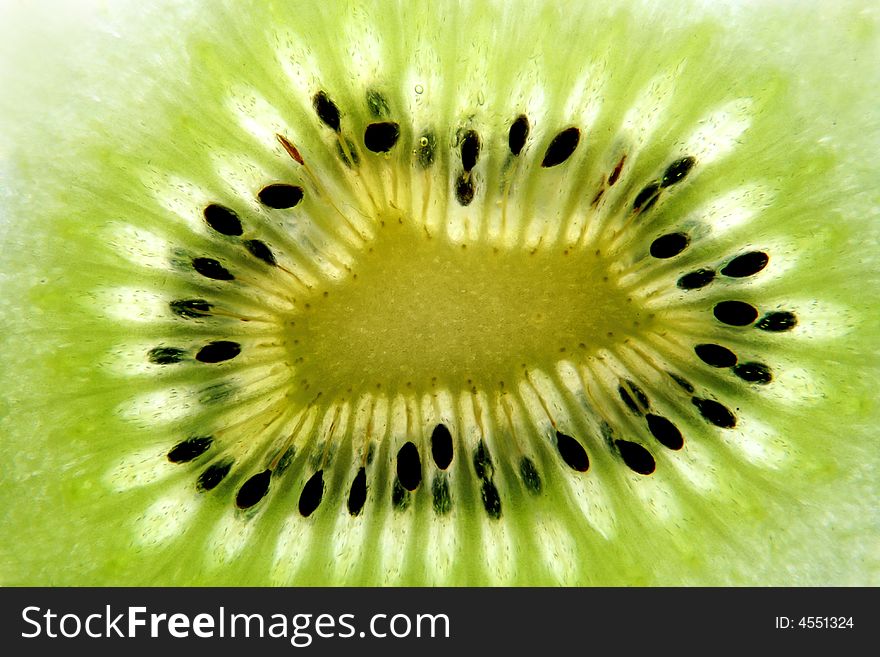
375	293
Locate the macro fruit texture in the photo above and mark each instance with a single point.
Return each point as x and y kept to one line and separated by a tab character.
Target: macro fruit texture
477	294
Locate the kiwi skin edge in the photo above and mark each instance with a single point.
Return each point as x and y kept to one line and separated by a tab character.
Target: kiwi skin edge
114	157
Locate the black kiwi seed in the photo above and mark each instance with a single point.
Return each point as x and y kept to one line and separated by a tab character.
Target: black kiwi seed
442	501
491	499
190	308
715	355
357	495
682	382
572	452
399	495
714	412
519	132
483	462
465	189
427	146
562	147
530	476
326	110
650	203
754	373
696	279
213	475
261	251
746	264
470	150
637	458
190	449
166	355
377	104
735	313
640	394
381	137
223	220
647	196
628	400
778	321
280	196
669	246
218	351
312	493
677	171
253	490
441	446
409	466
210	268
666	433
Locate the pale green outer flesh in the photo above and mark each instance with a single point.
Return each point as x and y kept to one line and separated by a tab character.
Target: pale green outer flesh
133	107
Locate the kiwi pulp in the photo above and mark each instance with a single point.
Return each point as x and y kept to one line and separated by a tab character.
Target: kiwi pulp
373	300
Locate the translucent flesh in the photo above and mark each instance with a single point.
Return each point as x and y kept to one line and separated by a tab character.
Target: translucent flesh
396	308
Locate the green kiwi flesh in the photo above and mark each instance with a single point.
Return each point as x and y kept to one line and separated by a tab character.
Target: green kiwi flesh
347	295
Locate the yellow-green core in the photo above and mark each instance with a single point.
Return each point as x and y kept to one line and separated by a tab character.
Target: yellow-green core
420	310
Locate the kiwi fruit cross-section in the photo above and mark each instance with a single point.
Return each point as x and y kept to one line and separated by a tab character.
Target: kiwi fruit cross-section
475	293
